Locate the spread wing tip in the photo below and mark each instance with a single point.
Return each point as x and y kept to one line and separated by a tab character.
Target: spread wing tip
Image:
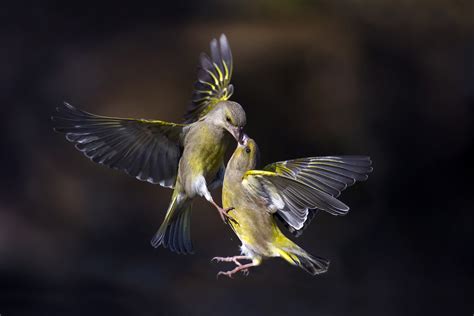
213	79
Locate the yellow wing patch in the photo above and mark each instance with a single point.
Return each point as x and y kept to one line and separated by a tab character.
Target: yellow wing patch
213	83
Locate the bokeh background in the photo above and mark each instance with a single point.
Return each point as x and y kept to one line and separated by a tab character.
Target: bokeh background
392	79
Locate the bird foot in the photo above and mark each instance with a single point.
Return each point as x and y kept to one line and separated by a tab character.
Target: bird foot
223	213
234	259
244	268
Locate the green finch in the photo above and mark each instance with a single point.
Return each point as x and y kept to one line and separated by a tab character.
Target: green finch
187	157
288	189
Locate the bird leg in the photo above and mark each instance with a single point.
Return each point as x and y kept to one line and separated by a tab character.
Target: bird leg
222	211
240	267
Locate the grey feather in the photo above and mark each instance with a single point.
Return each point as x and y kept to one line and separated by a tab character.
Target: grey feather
147	150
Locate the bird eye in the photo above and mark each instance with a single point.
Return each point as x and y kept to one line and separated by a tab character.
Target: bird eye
227	119
247	150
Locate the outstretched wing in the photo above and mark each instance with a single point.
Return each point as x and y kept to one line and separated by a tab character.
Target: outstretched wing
290	188
146	149
298	232
213	83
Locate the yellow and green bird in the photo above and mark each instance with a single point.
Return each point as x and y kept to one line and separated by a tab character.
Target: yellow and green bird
288	189
187	157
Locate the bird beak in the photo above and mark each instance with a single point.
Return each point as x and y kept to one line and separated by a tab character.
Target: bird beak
237	132
243	140
241	136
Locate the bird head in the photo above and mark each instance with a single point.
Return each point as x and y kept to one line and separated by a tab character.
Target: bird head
245	156
230	116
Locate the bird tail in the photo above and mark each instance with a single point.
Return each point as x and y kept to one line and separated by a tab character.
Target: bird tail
175	231
295	255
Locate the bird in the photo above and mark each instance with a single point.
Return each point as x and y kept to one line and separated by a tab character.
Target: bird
288	190
187	157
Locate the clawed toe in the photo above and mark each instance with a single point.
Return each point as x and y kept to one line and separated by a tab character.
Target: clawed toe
223	213
226	273
224	217
218	259
244	268
231	273
226	210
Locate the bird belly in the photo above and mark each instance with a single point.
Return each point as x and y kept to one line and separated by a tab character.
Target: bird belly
202	158
255	230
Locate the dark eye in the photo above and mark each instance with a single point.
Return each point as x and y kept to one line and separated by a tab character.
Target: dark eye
227	119
247	150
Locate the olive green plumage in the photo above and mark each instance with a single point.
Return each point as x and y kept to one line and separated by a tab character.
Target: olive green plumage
289	189
187	157
201	168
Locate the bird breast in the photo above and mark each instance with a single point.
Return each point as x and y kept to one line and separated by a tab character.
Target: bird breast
203	154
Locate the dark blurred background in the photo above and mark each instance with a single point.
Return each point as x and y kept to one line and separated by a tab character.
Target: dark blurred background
392	79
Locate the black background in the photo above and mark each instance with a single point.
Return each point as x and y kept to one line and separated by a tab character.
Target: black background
392	79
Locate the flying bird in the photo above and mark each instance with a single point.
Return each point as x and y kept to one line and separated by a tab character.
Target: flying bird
187	157
287	189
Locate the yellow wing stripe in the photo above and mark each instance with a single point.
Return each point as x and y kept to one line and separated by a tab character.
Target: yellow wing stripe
259	173
213	87
156	122
226	77
221	77
213	77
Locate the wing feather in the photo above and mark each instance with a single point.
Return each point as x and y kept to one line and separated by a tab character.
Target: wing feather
292	188
213	83
146	149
